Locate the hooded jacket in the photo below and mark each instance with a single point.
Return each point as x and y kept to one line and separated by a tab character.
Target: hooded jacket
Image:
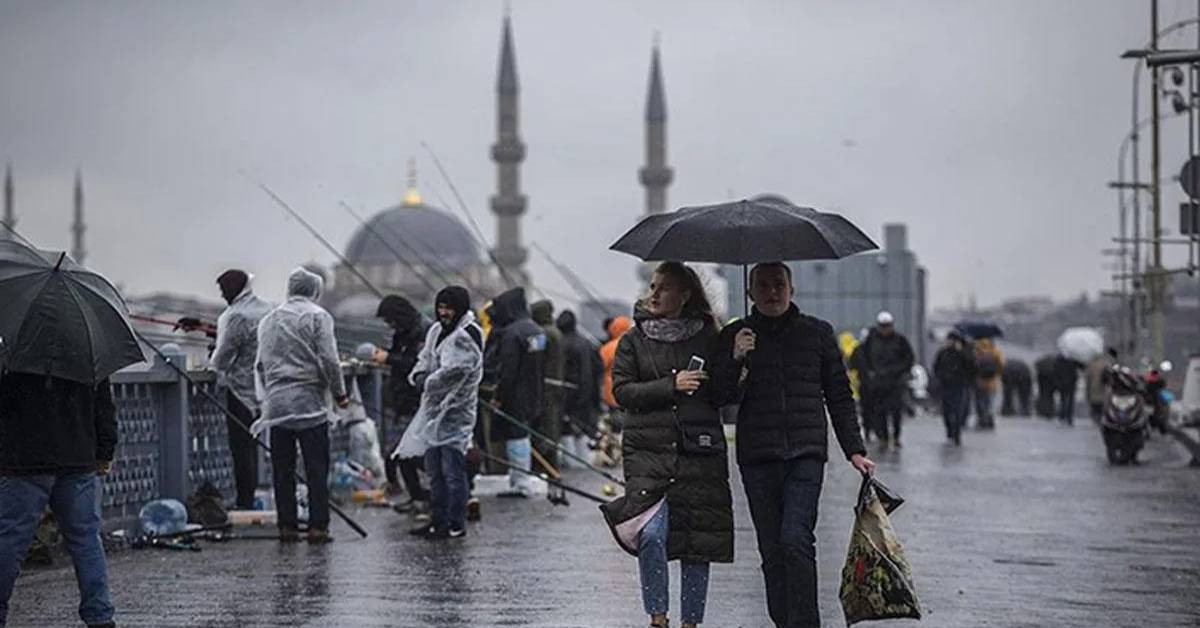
237	345
608	354
408	337
584	370
297	365
886	363
514	363
451	371
555	361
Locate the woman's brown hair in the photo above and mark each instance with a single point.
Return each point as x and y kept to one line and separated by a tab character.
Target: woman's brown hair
697	305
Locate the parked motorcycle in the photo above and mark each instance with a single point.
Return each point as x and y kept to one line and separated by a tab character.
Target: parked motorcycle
1126	416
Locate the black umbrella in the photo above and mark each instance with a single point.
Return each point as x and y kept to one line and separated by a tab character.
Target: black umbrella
61	319
764	229
979	329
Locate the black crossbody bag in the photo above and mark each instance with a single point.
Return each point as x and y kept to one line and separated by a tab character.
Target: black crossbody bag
694	440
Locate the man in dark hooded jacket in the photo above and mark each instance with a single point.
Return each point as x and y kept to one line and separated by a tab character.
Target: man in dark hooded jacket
1046	386
514	364
584	371
550	423
407	339
888	360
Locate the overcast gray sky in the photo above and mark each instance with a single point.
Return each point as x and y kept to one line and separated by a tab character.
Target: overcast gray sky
989	127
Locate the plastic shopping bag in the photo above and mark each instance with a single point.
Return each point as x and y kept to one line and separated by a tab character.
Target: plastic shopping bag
877	582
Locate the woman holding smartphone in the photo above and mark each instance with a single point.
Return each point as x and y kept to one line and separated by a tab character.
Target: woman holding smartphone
677	504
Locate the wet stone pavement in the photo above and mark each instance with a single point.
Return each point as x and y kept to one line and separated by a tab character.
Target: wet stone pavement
1026	526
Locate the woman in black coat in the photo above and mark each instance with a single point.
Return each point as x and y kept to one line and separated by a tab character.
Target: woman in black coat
677	504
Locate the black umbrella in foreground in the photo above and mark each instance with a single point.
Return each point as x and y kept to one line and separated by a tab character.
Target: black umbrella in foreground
61	319
762	229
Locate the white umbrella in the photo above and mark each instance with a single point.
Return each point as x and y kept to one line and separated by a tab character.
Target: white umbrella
1082	344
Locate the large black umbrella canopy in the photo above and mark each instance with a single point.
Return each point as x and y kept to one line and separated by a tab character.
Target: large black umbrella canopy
763	229
979	329
61	319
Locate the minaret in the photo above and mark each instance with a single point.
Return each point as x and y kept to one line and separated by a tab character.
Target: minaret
655	175
412	195
10	210
508	204
78	253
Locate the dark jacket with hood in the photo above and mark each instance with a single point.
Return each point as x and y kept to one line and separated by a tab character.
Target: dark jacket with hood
513	362
555	361
696	486
794	375
886	366
407	339
954	368
585	370
54	426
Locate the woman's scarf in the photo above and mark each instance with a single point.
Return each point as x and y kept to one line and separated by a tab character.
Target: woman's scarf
671	330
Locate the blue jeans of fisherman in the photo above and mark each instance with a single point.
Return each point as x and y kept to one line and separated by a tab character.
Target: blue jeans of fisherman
520	456
783	497
954	410
447	470
652	565
72	499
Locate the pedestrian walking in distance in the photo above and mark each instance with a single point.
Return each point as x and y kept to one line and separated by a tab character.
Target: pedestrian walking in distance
233	361
298	370
793	376
677	504
989	365
954	368
448	374
887	363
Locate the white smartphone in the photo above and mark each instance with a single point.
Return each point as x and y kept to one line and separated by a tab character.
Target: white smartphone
696	363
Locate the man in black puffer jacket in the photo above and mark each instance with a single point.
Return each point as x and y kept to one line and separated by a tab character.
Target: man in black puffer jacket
792	371
514	363
408	336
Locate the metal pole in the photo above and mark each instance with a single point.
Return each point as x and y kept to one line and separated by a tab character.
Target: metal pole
1157	288
1135	301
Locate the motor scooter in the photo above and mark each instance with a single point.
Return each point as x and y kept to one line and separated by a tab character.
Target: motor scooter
1126	416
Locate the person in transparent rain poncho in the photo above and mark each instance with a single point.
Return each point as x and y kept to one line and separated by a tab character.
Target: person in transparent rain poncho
448	373
298	369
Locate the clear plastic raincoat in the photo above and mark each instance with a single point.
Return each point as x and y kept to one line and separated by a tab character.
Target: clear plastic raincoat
451	370
237	345
297	364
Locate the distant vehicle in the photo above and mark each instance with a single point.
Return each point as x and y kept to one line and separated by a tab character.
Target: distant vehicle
1126	417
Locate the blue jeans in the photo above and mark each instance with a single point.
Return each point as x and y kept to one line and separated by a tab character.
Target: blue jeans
652	564
783	497
519	451
72	498
447	470
954	410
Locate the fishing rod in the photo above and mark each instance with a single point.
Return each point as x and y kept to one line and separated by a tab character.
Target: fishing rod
511	419
391	249
576	282
316	234
235	420
186	323
548	480
462	205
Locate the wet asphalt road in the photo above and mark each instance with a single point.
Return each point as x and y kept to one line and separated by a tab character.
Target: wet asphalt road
1026	526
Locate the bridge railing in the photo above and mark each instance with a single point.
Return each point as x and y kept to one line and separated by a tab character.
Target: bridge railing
172	438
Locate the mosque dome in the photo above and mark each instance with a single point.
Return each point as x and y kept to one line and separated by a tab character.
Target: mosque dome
416	232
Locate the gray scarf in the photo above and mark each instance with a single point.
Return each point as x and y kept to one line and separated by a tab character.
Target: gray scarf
671	330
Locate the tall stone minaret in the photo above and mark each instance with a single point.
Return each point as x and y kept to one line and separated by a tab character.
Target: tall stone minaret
508	204
78	253
10	210
655	175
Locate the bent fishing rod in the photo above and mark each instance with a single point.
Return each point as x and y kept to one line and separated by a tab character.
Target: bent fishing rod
517	422
542	476
316	234
237	421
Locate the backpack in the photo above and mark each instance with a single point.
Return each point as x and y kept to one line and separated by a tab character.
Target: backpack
986	365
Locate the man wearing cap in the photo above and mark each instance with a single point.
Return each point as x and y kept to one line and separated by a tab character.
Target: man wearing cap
887	364
233	360
793	387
